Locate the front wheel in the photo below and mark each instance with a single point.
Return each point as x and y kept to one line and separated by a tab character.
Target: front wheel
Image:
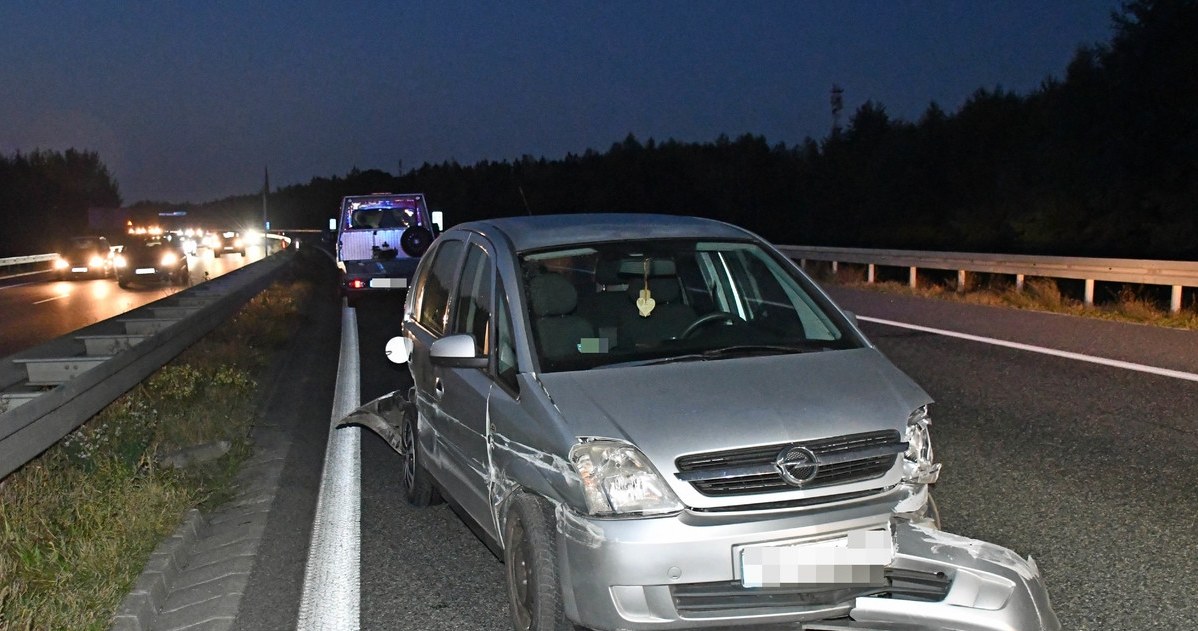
415	481
530	562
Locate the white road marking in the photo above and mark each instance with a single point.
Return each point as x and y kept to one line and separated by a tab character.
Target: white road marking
331	598
1164	372
59	297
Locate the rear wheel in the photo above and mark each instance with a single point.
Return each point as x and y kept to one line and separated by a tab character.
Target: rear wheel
530	562
414	479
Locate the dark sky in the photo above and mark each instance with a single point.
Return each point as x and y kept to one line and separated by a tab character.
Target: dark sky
188	101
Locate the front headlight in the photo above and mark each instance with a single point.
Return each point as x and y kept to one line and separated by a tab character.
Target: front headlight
61	263
618	479
119	261
918	465
169	259
96	261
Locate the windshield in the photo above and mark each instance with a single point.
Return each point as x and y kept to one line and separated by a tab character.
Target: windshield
653	301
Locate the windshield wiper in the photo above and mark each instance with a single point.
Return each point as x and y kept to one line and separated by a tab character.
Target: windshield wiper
738	350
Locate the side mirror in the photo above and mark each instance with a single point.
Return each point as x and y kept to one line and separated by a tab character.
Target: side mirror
398	349
456	351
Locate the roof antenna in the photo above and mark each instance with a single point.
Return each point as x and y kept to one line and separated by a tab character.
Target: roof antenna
521	189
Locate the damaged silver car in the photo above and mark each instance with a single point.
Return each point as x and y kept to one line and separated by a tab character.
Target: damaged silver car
660	422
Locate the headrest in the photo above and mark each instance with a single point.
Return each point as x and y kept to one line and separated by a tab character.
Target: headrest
657	267
551	295
607	272
662	289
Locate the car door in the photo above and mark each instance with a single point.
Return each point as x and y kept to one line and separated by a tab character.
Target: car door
429	322
461	394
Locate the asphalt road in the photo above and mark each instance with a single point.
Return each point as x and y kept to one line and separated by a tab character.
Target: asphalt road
36	308
1088	468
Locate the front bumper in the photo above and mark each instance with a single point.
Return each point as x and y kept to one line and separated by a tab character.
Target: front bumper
683	572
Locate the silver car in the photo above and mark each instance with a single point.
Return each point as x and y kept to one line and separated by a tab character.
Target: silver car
662	423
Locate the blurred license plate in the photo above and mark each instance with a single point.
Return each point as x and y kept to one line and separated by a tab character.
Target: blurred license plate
79	269
145	270
855	558
389	283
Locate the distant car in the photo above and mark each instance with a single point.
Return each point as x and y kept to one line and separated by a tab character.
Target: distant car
227	242
88	256
154	260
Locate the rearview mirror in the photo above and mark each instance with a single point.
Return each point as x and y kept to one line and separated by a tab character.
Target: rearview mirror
456	351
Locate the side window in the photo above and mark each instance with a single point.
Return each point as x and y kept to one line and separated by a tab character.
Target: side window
434	297
473	303
505	343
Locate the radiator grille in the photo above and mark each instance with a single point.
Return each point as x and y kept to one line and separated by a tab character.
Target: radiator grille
845	459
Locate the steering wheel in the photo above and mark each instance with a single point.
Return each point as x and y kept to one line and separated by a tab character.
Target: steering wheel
706	319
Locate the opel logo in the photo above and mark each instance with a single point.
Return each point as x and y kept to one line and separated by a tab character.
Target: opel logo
797	465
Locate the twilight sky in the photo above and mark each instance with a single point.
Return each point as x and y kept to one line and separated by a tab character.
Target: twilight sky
189	100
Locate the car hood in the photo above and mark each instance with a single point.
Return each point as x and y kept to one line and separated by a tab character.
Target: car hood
669	410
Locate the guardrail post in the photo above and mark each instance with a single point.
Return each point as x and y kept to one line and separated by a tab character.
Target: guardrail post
912	279
870	274
1089	298
1019	282
1175	299
835	267
960	281
803	264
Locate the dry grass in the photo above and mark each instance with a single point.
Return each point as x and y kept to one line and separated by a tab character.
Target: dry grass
1037	294
78	523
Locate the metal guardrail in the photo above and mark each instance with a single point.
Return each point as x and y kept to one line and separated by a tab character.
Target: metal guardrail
25	260
49	390
1174	274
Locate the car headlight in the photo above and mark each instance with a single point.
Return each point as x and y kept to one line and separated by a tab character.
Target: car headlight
169	259
96	261
618	479
918	465
61	264
119	261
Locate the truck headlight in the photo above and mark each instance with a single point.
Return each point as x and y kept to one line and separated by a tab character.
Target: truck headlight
617	479
918	465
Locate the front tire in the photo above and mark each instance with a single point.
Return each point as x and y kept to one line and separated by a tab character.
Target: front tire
530	563
415	481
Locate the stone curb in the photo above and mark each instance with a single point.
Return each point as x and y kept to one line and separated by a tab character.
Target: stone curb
146	599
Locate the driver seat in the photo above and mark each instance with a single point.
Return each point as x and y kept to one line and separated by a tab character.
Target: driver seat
669	318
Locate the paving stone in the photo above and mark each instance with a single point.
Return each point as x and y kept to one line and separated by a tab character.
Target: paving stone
214	571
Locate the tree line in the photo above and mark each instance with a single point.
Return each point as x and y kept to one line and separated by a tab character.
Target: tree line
45	195
1100	162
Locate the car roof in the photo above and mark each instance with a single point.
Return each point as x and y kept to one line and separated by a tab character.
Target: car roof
534	232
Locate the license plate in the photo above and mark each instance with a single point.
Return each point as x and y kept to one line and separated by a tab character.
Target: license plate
856	558
389	283
145	270
79	269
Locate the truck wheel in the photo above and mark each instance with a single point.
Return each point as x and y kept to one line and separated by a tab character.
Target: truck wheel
530	563
414	479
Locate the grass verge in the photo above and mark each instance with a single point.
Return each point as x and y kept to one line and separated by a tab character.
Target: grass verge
78	523
1130	304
